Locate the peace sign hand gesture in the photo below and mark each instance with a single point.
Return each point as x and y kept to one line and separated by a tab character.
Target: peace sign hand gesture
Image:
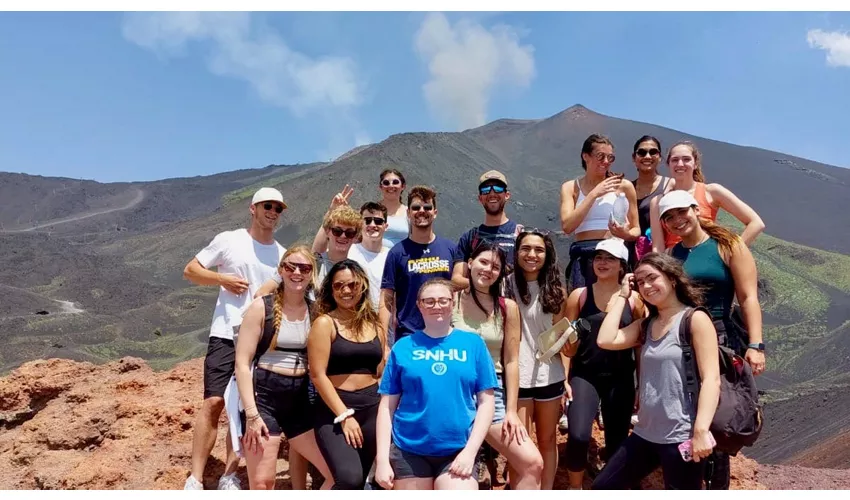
342	197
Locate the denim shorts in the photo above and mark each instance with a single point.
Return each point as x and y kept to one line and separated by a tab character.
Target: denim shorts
499	394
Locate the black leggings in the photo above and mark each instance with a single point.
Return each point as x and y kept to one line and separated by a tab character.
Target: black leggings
349	466
617	394
637	458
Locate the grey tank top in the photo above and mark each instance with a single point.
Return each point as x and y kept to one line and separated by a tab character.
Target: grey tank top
665	415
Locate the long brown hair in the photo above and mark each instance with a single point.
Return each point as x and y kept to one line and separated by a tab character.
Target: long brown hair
726	240
687	292
279	292
551	294
365	315
698	175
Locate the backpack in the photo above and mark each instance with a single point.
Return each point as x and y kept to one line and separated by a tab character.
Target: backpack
739	416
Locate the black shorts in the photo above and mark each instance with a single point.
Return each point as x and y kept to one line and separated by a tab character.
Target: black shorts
218	366
407	465
282	403
546	393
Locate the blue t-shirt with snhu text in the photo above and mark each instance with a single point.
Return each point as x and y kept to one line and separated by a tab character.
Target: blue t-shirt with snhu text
437	380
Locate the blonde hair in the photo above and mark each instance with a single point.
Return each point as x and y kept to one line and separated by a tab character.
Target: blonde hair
279	292
344	215
698	175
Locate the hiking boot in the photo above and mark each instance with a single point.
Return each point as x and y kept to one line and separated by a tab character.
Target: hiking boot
193	484
229	482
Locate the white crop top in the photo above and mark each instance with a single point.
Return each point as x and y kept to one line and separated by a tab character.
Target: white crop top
597	218
290	350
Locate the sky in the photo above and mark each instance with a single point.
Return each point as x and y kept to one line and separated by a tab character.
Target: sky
145	96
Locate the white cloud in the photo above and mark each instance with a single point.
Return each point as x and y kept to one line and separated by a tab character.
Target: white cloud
835	43
239	48
467	63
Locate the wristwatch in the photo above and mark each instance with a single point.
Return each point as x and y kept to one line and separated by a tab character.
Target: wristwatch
758	347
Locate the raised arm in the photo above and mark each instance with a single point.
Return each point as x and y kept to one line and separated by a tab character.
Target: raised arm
611	336
728	201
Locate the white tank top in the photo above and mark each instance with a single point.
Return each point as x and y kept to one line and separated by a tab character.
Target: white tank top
597	218
290	350
533	373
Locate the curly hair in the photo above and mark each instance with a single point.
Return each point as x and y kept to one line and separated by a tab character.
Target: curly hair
343	215
549	279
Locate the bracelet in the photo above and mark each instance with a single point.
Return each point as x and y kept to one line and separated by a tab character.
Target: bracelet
253	417
342	416
625	296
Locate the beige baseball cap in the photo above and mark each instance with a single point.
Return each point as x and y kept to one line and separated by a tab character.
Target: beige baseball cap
493	175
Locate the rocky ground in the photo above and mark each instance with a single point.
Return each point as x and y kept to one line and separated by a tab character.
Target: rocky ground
71	425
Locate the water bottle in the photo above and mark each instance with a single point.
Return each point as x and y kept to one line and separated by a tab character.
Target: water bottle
621	207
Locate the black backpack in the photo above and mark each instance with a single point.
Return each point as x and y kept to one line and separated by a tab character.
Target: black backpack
739	417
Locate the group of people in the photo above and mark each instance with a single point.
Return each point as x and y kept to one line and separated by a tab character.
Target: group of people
389	357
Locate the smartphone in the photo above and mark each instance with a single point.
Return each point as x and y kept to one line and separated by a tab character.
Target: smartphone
686	448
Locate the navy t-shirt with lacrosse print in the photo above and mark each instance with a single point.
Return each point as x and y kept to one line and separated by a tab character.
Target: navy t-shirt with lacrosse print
409	265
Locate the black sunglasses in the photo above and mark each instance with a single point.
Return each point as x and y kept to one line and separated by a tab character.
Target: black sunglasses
277	208
379	221
349	233
644	152
388	182
426	207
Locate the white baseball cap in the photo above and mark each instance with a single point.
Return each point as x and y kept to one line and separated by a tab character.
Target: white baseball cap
267	194
676	199
615	247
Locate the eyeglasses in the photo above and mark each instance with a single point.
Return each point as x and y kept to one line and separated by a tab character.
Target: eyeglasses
650	152
485	190
349	233
388	182
277	207
351	285
290	267
600	156
379	221
431	301
426	207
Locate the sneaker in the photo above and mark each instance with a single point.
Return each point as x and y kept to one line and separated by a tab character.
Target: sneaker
229	482
563	424
192	484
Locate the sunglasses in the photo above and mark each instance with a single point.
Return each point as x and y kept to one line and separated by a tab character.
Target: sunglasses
277	208
537	231
431	301
426	207
485	190
352	285
349	233
290	267
388	182
647	152
600	156
379	221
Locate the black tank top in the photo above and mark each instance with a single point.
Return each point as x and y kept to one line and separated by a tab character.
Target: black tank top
593	361
348	357
643	203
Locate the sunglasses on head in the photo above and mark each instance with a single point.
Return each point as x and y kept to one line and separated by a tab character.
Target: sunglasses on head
600	156
379	221
498	189
391	182
277	208
426	207
647	152
290	267
535	230
338	231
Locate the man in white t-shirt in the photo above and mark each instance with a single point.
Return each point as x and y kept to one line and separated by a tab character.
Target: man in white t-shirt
371	253
244	259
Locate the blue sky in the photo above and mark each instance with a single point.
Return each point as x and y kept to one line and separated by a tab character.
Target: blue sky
116	97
